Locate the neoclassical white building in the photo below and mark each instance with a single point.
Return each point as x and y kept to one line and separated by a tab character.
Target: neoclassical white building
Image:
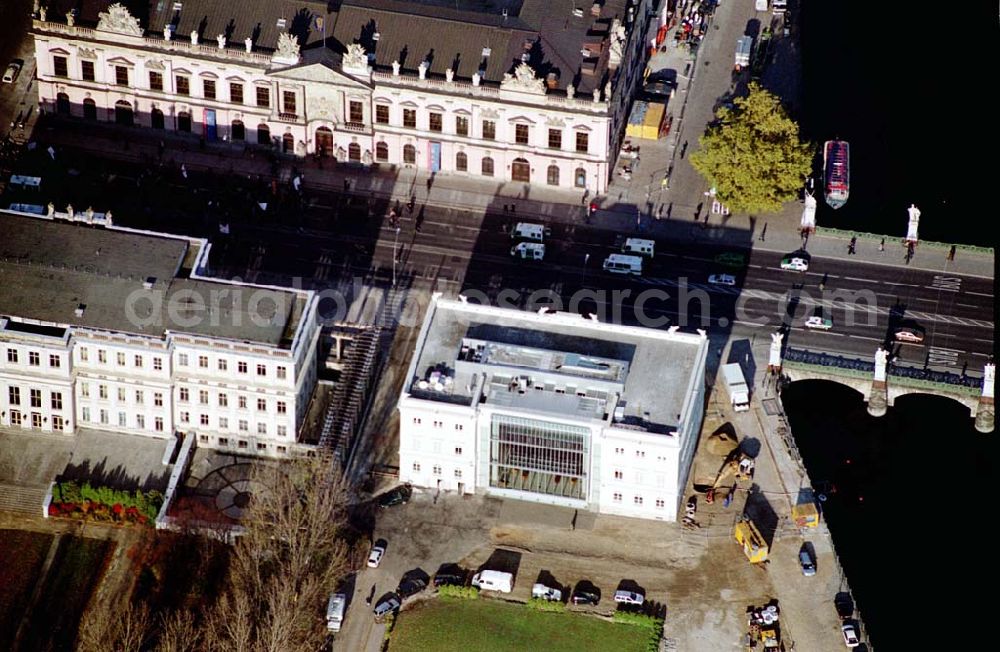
523	91
552	408
108	328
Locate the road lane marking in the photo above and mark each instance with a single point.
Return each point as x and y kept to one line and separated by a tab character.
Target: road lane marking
979	294
946	283
851	278
941	356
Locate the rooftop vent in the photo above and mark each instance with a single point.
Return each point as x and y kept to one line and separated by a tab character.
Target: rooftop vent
178	6
281	23
376	36
79	309
595	9
148	283
487	52
578	12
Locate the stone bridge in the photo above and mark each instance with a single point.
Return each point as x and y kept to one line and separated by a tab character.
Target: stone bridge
880	395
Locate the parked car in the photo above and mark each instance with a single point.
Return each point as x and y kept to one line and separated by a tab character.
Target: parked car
806	561
398	496
629	597
411	586
585	594
795	264
850	633
731	259
13	70
389	602
819	322
908	334
378	551
546	592
451	575
722	279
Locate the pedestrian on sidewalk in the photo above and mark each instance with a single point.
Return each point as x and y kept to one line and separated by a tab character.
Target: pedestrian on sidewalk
951	253
881	246
763	232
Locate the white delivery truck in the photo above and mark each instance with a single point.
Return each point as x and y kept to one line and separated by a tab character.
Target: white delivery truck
335	611
639	247
491	580
528	232
623	264
528	250
736	387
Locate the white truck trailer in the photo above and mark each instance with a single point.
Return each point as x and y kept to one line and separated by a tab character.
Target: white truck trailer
736	387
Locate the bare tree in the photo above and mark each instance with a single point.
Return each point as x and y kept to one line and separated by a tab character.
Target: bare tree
103	628
287	562
179	633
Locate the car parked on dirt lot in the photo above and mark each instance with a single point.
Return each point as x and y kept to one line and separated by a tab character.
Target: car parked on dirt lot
546	592
850	633
806	561
451	575
398	496
378	551
388	603
629	597
410	586
586	593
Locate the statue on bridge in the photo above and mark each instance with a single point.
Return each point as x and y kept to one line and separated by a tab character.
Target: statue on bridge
881	359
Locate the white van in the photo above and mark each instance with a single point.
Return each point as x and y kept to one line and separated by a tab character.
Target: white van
335	611
528	250
491	580
528	232
639	247
623	264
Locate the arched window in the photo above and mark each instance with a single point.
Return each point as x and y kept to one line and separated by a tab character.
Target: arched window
520	170
123	113
580	178
288	144
324	141
156	119
62	104
263	134
354	153
553	175
89	109
409	154
184	122
487	166
237	131
461	162
381	151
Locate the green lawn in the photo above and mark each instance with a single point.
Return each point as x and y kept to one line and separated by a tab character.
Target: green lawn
455	625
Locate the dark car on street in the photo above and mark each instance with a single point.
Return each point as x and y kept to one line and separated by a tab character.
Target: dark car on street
398	496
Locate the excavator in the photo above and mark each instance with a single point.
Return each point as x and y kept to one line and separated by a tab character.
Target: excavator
738	466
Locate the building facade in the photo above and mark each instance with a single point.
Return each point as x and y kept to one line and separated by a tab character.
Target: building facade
509	93
552	408
114	329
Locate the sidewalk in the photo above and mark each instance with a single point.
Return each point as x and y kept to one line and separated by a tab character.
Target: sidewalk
475	194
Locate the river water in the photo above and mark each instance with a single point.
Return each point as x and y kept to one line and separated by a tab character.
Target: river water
905	85
909	504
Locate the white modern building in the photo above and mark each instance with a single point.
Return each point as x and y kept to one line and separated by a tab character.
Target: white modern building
552	408
108	328
514	90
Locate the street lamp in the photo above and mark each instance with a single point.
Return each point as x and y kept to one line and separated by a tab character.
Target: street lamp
586	257
395	240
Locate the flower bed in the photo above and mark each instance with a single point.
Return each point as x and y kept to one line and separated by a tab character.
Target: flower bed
104	504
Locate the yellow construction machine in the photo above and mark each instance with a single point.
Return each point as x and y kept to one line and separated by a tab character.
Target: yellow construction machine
755	546
738	466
